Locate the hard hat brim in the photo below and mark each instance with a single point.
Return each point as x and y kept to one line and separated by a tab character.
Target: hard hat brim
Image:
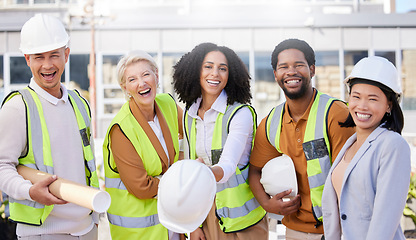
44	49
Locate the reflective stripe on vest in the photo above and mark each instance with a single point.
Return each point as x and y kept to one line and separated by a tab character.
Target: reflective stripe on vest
39	154
138	219
236	206
316	145
133	222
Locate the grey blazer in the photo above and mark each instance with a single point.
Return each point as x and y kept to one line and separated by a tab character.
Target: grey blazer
373	192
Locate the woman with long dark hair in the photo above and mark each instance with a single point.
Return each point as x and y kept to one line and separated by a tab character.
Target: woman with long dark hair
219	127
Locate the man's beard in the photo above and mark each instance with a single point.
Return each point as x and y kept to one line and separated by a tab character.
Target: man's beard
300	93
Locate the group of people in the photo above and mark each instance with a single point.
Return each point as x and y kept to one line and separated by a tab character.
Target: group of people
352	165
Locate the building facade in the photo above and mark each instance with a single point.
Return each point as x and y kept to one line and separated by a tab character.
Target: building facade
340	31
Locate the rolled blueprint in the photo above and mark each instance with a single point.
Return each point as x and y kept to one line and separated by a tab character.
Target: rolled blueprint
69	191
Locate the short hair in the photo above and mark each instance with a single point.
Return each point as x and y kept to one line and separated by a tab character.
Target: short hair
393	121
293	43
187	74
130	58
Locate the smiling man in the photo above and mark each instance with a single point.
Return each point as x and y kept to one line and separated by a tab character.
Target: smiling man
309	134
46	127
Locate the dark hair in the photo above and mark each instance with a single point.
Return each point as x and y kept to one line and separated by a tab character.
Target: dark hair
293	43
186	75
393	121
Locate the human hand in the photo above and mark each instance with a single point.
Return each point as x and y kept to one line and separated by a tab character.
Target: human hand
39	192
277	205
198	234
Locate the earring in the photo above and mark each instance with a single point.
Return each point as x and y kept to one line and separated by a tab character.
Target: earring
128	95
388	114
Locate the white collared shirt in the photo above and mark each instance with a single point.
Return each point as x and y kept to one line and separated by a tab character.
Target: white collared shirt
237	148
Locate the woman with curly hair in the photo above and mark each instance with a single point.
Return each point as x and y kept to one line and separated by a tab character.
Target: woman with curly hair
219	126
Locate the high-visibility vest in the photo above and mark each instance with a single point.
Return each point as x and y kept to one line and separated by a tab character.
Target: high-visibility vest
316	146
39	153
236	206
129	216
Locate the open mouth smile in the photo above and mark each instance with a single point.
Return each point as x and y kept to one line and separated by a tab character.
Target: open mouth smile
213	82
48	76
144	92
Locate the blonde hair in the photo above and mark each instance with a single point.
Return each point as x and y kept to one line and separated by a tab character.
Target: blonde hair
130	58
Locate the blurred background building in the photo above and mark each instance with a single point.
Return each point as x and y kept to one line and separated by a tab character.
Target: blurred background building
341	32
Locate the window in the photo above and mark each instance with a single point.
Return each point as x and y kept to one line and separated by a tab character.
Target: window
327	73
113	95
409	79
78	65
19	71
266	91
169	60
244	56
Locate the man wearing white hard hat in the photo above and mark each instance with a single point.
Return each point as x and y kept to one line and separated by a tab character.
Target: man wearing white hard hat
306	129
46	127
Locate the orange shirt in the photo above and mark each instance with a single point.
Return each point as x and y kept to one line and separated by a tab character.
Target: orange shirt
291	140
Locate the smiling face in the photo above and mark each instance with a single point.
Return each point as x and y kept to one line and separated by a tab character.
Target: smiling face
47	69
141	83
214	74
293	73
367	106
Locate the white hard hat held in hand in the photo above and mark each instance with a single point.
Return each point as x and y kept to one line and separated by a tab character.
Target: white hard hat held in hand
42	33
185	196
278	175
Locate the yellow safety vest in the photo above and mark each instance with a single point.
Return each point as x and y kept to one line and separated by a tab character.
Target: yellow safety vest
316	146
236	206
130	217
39	154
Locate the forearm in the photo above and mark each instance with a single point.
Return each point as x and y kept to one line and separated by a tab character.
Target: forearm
237	147
256	187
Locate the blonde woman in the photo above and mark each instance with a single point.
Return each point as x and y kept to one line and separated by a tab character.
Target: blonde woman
140	145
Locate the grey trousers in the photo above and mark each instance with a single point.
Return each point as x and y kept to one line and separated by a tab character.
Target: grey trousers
92	235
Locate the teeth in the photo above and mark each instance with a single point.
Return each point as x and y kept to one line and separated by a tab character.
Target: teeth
363	116
145	91
213	82
292	81
47	74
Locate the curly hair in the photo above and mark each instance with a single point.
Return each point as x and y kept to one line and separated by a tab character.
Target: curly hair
293	43
186	75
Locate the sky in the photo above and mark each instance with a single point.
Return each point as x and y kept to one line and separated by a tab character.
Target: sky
403	6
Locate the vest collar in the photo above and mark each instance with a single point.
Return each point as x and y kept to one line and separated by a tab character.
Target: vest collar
152	136
288	119
48	97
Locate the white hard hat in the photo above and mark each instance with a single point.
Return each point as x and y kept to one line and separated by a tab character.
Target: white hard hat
42	33
185	195
278	175
377	69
